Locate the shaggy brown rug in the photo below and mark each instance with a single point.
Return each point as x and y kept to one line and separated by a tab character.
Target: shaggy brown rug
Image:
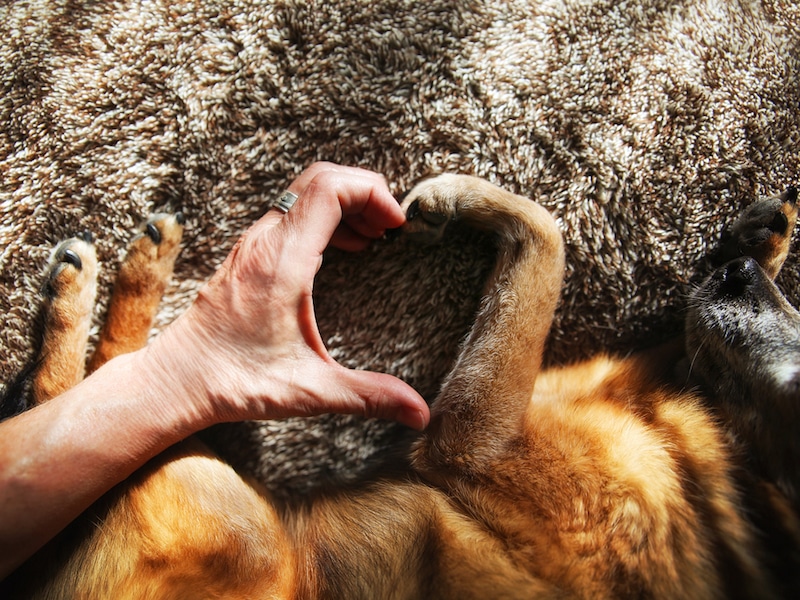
642	124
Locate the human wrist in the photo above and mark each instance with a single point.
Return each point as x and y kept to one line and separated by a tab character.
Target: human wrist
112	421
147	399
184	367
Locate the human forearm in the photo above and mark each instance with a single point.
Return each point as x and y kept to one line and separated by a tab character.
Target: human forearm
60	457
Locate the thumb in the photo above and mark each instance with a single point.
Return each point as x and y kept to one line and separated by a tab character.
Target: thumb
381	396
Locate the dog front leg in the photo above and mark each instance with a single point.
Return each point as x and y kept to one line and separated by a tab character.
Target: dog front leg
69	289
142	279
482	402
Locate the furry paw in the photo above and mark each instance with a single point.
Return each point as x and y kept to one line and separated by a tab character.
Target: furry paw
433	203
763	231
513	220
71	269
158	239
152	252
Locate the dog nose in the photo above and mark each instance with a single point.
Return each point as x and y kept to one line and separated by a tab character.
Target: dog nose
738	274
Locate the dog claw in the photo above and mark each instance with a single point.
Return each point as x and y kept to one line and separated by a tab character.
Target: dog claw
71	257
77	252
779	224
431	218
153	233
413	211
790	195
434	219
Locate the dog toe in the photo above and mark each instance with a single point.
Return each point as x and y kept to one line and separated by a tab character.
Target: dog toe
159	236
430	206
73	263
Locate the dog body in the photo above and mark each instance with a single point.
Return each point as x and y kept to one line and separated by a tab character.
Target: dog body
601	479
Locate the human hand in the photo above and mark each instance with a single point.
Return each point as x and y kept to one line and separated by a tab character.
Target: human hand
249	347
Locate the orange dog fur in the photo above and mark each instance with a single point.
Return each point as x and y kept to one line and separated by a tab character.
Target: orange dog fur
596	480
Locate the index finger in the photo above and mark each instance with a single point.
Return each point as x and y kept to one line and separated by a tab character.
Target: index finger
334	195
299	184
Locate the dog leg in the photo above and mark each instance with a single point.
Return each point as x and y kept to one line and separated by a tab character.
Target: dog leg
763	231
70	288
140	284
482	402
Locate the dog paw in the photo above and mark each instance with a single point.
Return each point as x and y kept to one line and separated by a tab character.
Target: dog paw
512	219
763	231
72	267
159	237
152	251
432	204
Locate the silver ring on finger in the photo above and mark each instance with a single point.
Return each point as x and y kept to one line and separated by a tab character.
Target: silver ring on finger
285	202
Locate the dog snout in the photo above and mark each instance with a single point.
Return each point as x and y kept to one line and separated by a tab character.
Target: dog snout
739	274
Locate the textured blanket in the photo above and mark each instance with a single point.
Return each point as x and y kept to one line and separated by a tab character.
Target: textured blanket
643	125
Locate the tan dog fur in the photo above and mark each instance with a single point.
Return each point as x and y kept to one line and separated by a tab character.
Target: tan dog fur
594	480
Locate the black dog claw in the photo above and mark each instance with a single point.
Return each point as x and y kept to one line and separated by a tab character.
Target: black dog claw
430	218
779	224
413	211
72	258
153	233
392	234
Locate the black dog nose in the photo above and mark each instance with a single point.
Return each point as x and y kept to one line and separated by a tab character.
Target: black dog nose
738	274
